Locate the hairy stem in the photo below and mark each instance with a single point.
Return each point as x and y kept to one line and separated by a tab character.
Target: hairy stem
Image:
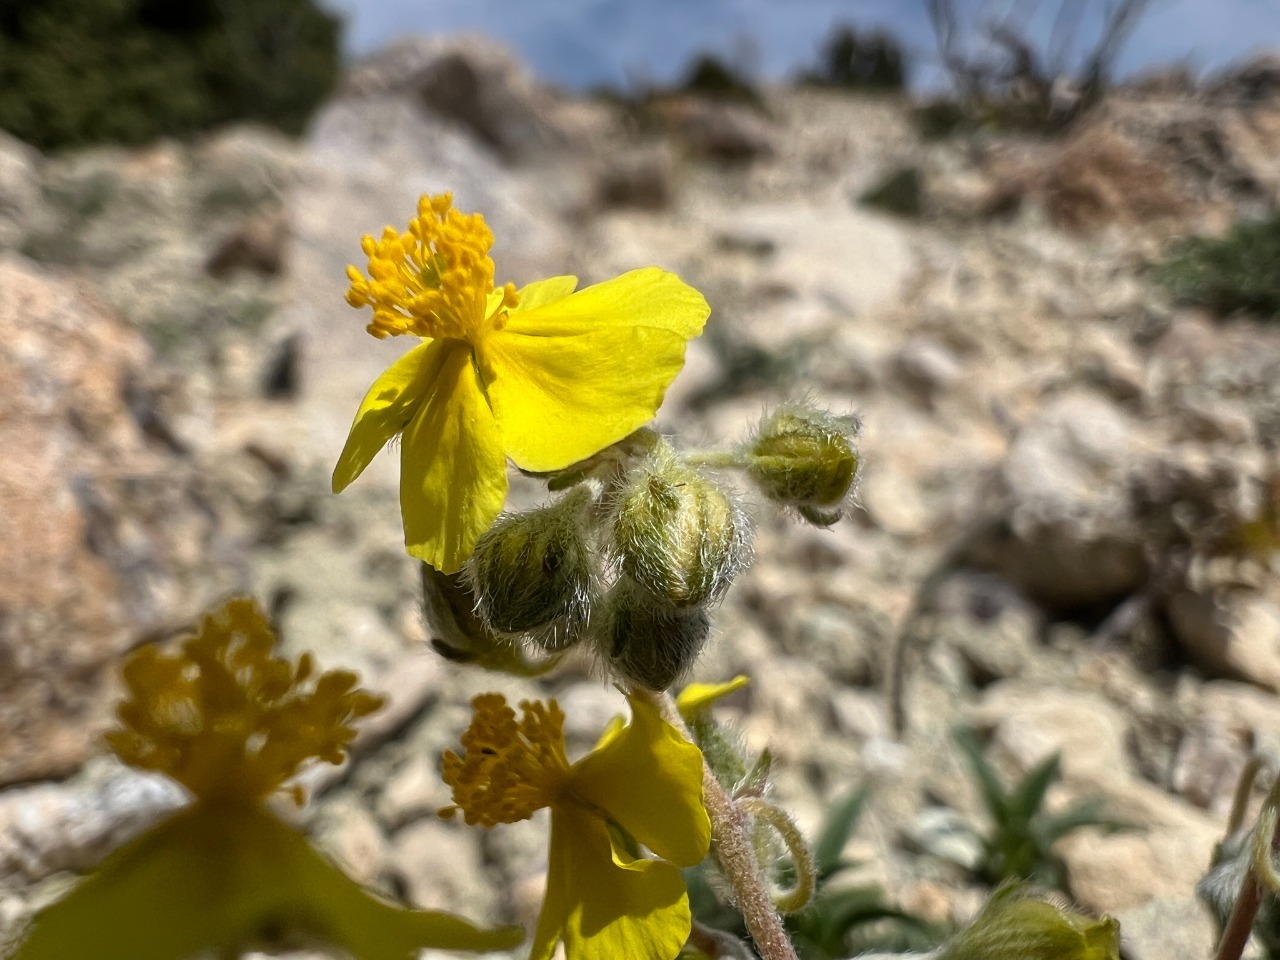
1257	879
731	846
1236	933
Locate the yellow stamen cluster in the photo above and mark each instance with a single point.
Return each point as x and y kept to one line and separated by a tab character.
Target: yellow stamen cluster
509	768
433	281
226	719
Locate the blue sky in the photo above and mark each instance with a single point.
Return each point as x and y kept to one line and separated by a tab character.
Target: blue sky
581	43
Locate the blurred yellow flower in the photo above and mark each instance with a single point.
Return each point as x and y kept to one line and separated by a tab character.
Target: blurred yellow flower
642	785
545	376
231	723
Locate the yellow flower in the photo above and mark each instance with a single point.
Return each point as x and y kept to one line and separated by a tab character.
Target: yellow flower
545	376
232	723
641	785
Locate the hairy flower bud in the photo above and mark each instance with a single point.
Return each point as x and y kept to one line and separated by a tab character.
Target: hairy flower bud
458	634
677	534
533	572
804	458
648	641
1014	925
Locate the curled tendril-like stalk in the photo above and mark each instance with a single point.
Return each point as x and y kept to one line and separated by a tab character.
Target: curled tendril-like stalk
797	896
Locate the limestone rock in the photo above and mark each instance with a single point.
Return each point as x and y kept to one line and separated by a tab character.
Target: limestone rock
19	190
440	864
1070	539
471	81
76	583
50	827
1232	633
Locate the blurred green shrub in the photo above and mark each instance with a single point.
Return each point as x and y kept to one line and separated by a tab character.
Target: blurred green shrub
1236	273
899	192
858	61
75	72
710	76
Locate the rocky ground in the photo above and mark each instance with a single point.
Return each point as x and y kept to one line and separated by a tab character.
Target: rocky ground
1059	464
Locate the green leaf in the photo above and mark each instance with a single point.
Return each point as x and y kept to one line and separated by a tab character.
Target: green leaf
837	828
993	792
1052	827
1030	794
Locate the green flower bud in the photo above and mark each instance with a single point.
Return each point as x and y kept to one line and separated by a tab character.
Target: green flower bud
648	641
533	573
1016	926
677	534
457	634
804	458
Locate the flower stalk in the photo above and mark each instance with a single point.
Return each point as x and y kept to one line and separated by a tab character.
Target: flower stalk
1261	874
731	846
1258	879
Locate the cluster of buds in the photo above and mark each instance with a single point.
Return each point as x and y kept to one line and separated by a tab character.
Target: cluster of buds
637	549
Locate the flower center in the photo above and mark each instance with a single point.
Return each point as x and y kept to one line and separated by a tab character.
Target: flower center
509	768
435	280
227	720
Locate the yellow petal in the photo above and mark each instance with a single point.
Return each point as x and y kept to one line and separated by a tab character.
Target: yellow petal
696	697
541	292
453	476
648	779
573	375
560	399
649	297
386	409
222	880
604	905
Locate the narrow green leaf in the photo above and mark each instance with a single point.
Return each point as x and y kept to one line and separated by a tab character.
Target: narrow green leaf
837	828
992	790
1030	794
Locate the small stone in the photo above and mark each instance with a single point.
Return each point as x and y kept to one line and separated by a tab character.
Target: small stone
828	634
927	368
642	180
859	713
351	834
257	245
441	867
1120	871
414	791
721	131
1167	928
945	834
1208	764
1233	633
51	827
894	502
1031	723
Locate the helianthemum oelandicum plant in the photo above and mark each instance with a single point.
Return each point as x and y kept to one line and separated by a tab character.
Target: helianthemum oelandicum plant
546	376
223	875
641	785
